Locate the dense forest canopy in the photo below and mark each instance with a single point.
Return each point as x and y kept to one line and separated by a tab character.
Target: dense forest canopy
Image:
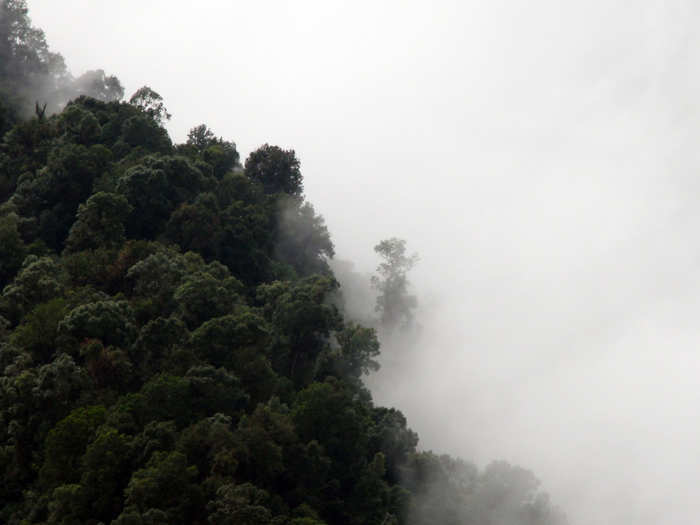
173	347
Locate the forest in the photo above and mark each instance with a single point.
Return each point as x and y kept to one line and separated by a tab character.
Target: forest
174	346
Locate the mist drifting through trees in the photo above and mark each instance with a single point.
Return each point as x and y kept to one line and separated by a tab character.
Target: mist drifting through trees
174	345
541	160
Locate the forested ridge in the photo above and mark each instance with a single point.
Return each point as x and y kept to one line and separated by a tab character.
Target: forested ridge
173	343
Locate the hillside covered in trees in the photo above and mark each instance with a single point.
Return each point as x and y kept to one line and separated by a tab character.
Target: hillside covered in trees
173	346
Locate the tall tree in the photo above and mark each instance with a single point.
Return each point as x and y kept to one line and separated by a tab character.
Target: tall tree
394	304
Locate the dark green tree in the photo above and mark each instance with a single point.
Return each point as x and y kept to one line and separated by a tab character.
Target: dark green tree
302	320
12	248
197	227
240	505
99	222
39	280
155	188
166	484
277	170
302	240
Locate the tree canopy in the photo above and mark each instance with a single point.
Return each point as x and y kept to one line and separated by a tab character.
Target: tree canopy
394	305
170	346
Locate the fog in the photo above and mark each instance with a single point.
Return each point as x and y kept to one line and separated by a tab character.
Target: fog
539	156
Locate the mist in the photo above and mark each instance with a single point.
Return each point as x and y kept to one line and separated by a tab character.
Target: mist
539	157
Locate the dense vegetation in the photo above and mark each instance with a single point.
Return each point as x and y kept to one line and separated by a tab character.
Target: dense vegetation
172	342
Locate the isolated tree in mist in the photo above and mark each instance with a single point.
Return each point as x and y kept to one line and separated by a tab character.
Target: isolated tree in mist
394	304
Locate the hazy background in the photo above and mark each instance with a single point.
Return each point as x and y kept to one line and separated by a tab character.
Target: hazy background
541	157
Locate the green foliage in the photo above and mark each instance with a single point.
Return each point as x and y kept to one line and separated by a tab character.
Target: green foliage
302	240
302	320
89	268
357	348
391	436
32	400
167	397
40	280
155	279
64	183
208	445
237	341
221	155
24	149
144	133
79	125
201	297
66	443
201	137
263	442
216	390
240	505
105	472
155	188
109	321
150	103
197	227
247	241
99	222
166	484
277	170
170	346
12	249
39	328
327	413
67	504
217	340
393	302
157	343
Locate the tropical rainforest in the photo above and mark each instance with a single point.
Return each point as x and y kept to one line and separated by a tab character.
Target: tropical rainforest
173	343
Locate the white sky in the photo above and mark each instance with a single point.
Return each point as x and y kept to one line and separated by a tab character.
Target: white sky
540	156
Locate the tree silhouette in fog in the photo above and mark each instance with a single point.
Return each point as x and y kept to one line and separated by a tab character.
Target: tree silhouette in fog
394	304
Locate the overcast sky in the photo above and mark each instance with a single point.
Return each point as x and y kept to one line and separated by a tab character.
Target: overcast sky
542	158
